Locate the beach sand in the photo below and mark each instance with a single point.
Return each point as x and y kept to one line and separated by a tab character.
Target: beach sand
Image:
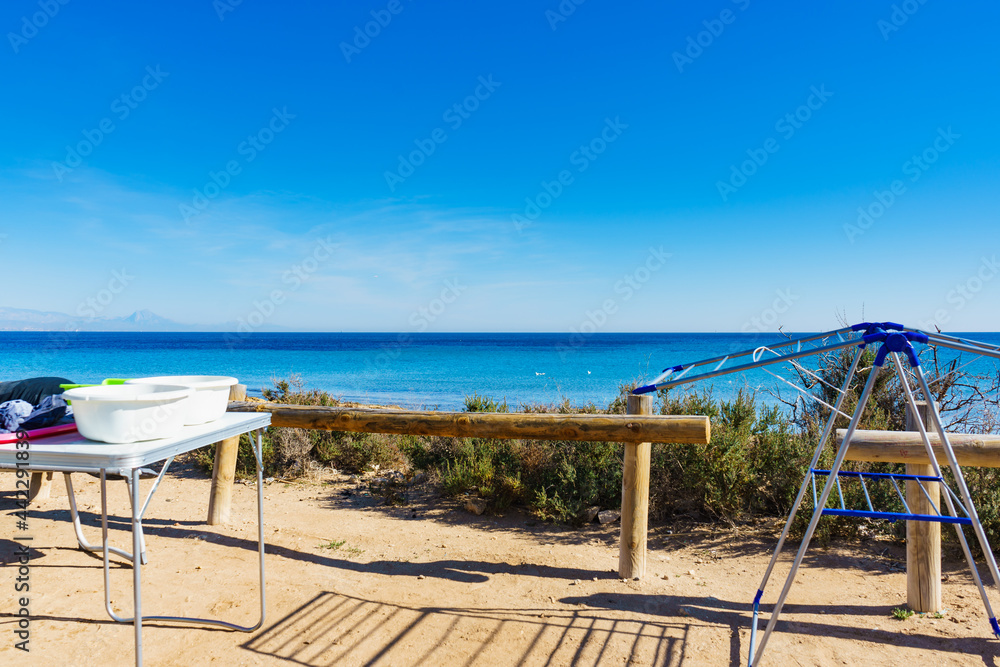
431	584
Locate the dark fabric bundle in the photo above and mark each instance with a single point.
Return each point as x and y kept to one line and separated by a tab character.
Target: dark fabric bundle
46	413
32	390
32	403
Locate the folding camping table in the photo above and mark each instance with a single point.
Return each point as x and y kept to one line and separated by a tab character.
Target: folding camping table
69	453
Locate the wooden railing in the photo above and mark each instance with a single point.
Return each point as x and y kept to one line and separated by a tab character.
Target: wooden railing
971	449
923	538
636	430
522	426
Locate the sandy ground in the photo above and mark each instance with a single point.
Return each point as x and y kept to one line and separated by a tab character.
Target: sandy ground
351	582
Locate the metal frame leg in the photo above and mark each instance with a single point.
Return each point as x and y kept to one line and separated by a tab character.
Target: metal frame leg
817	512
802	492
78	528
137	513
970	508
948	503
136	566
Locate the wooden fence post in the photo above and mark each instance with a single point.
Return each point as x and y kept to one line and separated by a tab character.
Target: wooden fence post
635	498
923	538
40	486
220	501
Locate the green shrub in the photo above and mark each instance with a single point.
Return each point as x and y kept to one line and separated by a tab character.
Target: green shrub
477	403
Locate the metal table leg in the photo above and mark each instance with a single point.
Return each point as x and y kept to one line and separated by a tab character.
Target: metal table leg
137	513
136	564
78	528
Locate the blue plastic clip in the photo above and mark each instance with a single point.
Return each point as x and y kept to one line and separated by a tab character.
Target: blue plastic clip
895	342
872	326
996	627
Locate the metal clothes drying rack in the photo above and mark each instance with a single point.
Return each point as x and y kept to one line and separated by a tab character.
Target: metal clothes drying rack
895	343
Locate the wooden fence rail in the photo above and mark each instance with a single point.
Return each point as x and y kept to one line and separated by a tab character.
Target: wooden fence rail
923	539
520	426
637	430
906	447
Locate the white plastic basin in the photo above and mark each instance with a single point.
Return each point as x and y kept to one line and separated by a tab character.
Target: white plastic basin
129	413
210	397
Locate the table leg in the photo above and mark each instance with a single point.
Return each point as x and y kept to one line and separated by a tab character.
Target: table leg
136	619
259	455
78	528
137	566
137	513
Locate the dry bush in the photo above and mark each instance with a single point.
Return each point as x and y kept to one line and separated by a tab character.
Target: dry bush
293	447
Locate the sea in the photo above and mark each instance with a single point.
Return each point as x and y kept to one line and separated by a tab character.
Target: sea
425	370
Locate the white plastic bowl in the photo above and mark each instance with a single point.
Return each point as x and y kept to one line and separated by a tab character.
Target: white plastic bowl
210	398
129	413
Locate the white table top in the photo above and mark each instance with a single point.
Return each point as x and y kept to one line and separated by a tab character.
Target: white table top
72	452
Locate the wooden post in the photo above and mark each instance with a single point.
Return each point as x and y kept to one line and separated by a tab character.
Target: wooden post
220	501
923	538
40	486
635	498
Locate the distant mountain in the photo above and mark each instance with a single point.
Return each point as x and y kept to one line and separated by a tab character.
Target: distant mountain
20	319
147	318
24	319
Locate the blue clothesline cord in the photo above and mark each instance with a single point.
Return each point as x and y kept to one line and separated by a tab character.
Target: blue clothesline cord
900	516
887	475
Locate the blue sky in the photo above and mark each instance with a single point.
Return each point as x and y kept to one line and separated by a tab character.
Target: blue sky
503	166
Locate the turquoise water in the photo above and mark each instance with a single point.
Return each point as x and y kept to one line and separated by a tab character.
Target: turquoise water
413	370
